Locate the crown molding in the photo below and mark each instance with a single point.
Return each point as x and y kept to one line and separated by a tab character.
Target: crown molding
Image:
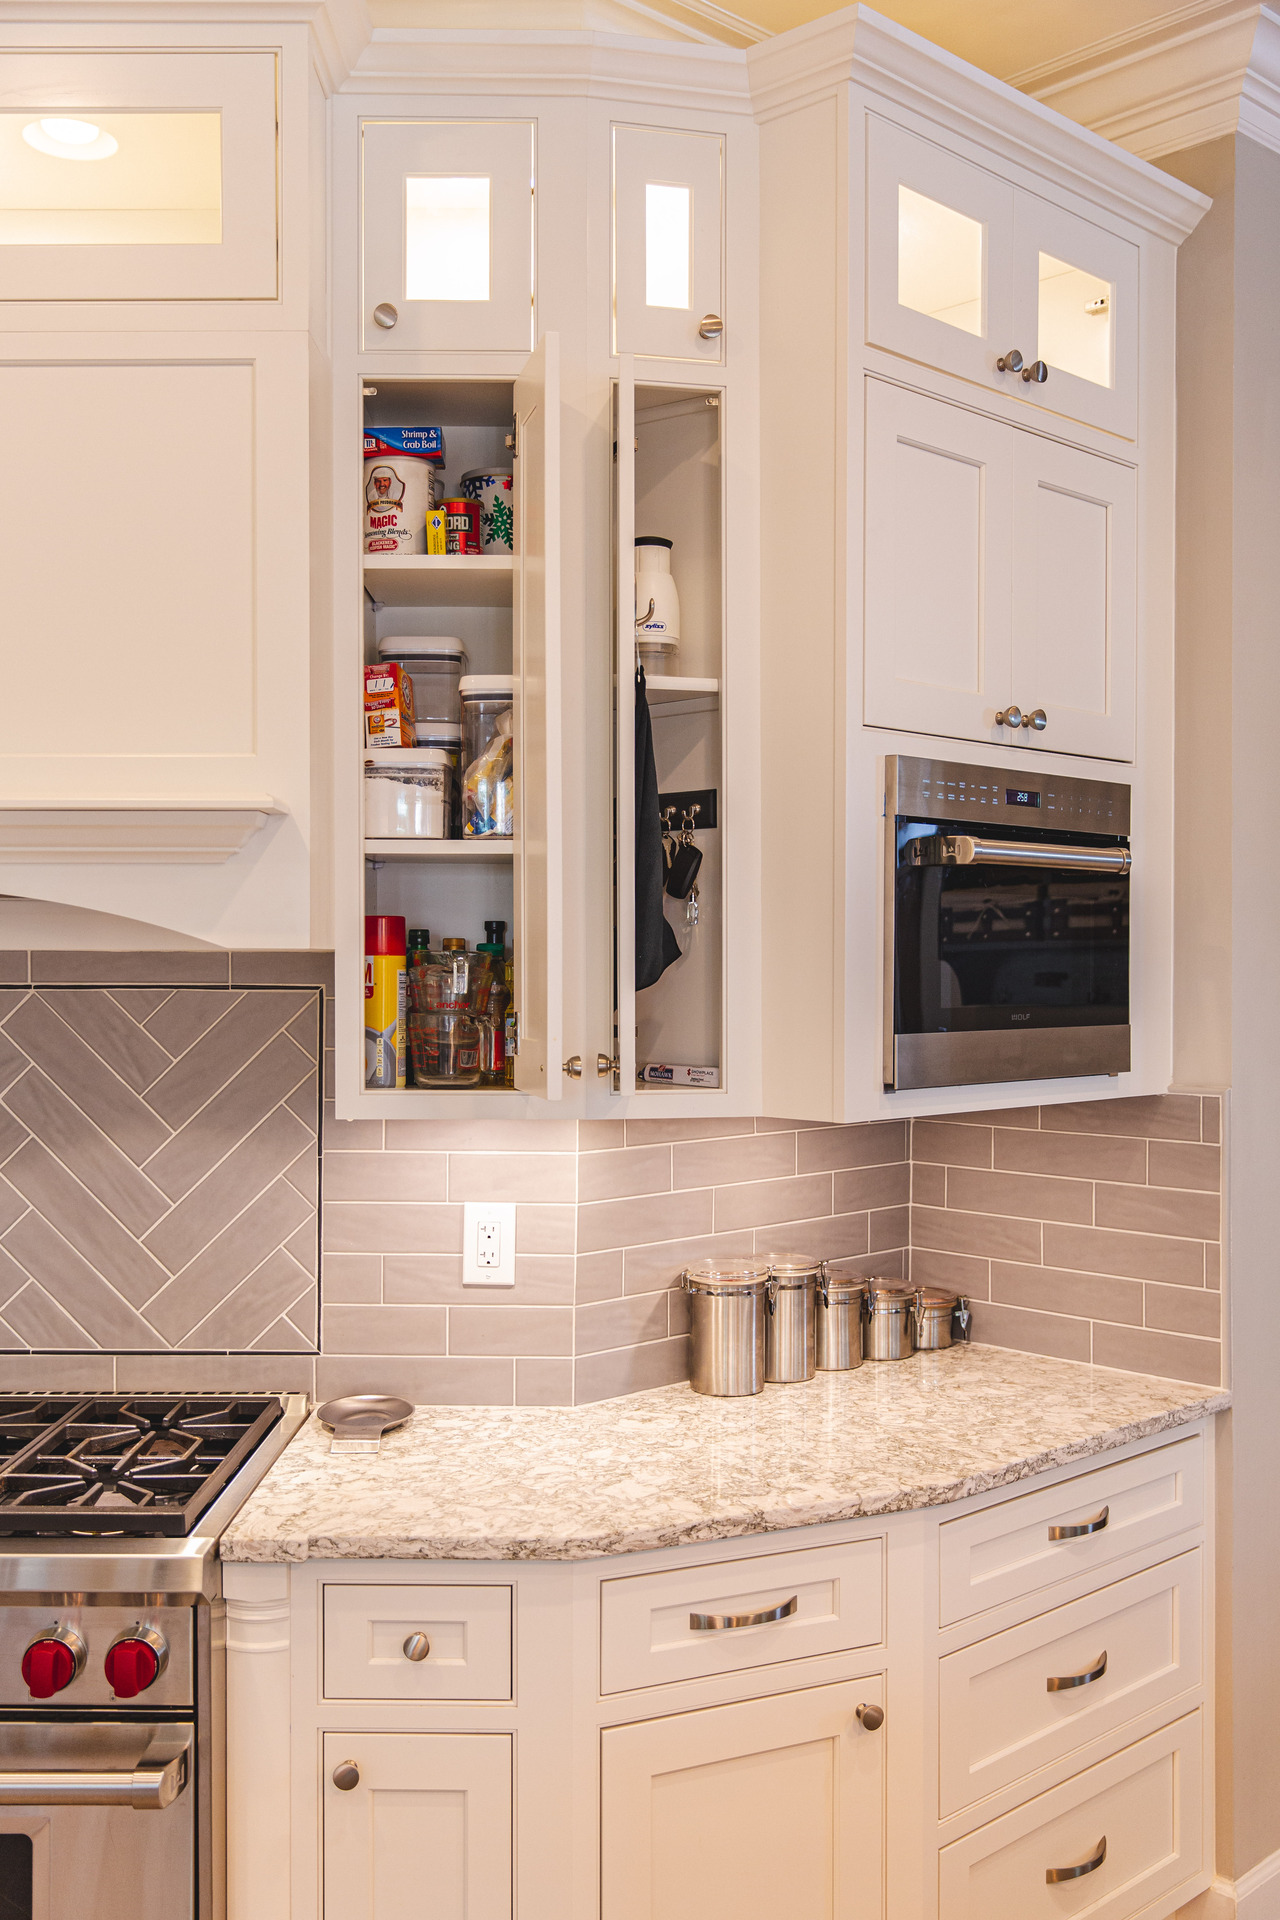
340	29
862	48
1205	72
699	77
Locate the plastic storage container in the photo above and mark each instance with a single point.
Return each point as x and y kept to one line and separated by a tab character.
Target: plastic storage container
448	740
407	793
790	1327
657	625
436	667
841	1313
726	1325
487	755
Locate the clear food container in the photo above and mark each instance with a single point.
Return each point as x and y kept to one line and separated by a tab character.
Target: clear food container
435	666
448	741
487	753
407	793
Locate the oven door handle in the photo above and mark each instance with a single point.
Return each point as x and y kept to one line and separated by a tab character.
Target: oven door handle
150	1787
963	850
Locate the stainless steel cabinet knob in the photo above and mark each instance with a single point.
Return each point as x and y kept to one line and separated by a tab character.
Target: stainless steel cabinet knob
573	1066
346	1775
710	327
871	1717
1037	371
385	314
1010	362
1011	717
417	1647
1039	720
605	1065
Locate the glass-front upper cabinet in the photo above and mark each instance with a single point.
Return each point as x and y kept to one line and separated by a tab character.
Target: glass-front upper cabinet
448	235
139	176
979	278
668	244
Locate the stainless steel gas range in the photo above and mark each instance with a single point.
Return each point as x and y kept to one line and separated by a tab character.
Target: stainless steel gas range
111	1646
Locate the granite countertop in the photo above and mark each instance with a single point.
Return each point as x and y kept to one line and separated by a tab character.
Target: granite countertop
667	1467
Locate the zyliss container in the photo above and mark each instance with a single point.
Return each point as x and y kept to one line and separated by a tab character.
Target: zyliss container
435	665
790	1324
384	1000
891	1320
726	1325
408	793
841	1313
487	753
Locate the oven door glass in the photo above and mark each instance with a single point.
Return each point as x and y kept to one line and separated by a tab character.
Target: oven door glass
984	949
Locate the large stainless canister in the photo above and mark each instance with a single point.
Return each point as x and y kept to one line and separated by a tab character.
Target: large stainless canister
791	1320
842	1311
891	1320
726	1325
941	1316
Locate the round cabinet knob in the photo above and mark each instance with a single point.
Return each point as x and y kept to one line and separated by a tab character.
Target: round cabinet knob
346	1775
135	1661
417	1647
1037	372
1010	362
1039	720
1011	717
604	1065
573	1066
52	1662
871	1717
385	315
710	327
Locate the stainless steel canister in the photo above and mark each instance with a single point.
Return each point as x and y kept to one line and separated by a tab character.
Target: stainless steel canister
791	1320
726	1325
941	1316
891	1320
842	1312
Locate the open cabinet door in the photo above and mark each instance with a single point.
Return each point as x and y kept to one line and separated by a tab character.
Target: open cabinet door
624	711
539	882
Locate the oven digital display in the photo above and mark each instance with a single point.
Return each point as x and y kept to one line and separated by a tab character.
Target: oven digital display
1021	797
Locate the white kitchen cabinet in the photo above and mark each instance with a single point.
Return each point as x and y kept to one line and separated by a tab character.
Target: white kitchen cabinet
744	1812
427	1818
668	244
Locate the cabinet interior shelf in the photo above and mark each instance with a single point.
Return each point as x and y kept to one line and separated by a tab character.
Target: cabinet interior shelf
440	579
475	853
664	688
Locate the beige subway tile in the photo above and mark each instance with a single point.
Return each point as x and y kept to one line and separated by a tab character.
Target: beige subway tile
627	1171
439	1381
620	1323
1194	1216
989	1117
642	1221
928	1184
677	1311
597	1136
890	1227
379	1329
1079	1156
345	1136
1212	1264
1019	1196
647	1268
1211	1118
828	1149
656	1133
421	1279
1088	1296
1193	1310
545	1229
947	1142
714	1163
864	1187
960	1271
391	1226
988	1236
771	1202
604	1376
766	1125
889	1265
352	1279
1136	1256
541	1280
64	1372
544	1383
214	1373
1175	1163
513	1330
832	1237
1169	1355
1158	1116
482	1136
1056	1334
386	1176
541	1177
15	968
599	1276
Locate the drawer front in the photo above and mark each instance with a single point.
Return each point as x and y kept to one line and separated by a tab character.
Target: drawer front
1027	1544
1145	1804
998	1717
373	1643
659	1627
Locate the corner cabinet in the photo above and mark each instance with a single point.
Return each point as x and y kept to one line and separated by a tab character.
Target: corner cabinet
956	1713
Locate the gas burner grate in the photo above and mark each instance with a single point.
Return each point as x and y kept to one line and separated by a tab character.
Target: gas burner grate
140	1464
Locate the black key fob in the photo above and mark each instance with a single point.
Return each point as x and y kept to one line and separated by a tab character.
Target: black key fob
683	870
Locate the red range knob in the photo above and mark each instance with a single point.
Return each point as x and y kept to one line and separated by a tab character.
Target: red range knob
131	1666
51	1664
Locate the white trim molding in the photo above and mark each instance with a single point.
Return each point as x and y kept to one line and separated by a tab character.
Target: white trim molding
1258	1891
182	832
695	75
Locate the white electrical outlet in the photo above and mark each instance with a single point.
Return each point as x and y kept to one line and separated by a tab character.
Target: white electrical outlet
488	1244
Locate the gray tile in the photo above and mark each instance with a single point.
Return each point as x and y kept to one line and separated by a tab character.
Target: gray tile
386	1176
83	1221
1211	1118
140	1003
890	1227
391	1227
38	1321
599	1276
303	1174
652	1133
1019	1196
622	1171
96	969
283	1337
12	1277
452	1381
620	1323
511	1330
836	1236
114	1036
1159	1116
1083	1156
379	1329
1175	1164
1193	1310
651	1267
350	1136
12	1061
106	1317
948	1232
86	1151
959	1270
214	1373
1137	1256
859	1189
299	967
827	1149
83	1077
951	1143
482	1136
1193	1216
604	1376
253	1021
304	1101
772	1202
1087	1296
595	1136
57	1373
641	1221
1051	1333
14	969
182	1018
545	1229
304	1245
544	1383
527	1177
1168	1355
246	1172
418	1279
12	1133
228	1117
236	1252
928	1184
714	1163
245	1312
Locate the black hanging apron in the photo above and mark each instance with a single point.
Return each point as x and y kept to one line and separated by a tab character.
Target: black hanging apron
656	943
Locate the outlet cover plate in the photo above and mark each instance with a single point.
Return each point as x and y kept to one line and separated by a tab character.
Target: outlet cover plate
498	1218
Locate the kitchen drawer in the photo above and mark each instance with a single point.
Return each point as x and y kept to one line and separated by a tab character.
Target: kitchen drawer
1145	1804
660	1627
1008	1551
998	1719
367	1629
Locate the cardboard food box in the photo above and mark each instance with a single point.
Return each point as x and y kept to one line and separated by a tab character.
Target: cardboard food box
388	707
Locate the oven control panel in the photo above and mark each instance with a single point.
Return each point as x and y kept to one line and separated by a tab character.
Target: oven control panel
1048	802
78	1655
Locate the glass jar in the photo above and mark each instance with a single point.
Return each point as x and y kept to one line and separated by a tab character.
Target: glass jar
435	666
488	752
406	793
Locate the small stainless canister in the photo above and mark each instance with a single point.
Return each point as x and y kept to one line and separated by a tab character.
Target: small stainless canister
891	1320
726	1325
941	1317
842	1312
791	1320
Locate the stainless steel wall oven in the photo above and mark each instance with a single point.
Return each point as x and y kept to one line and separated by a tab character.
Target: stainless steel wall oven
1006	925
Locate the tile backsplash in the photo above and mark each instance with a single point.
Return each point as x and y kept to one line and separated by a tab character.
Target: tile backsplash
1089	1231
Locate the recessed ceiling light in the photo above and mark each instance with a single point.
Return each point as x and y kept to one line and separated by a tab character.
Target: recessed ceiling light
70	139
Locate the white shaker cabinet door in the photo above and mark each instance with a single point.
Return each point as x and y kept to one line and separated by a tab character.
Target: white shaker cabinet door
447	235
746	1812
1075	568
668	244
939	530
1076	310
425	1828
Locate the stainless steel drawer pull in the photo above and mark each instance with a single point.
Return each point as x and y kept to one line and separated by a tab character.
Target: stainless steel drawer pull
1078	1531
1054	1874
150	1787
716	1622
1062	1682
417	1646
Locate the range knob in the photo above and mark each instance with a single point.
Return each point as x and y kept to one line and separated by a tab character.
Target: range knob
134	1661
52	1662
